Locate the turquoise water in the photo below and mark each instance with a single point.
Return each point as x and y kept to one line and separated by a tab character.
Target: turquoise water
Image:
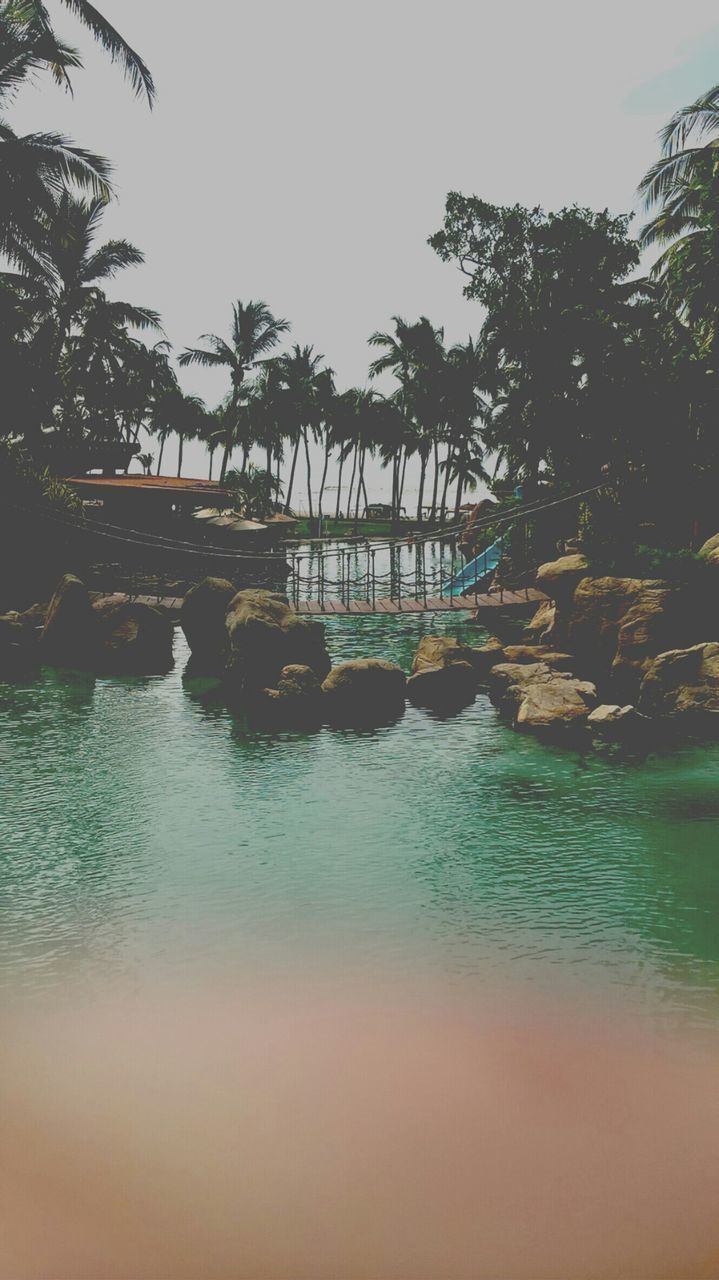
142	826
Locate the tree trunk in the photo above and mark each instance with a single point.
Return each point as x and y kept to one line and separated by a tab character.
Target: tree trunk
458	499
359	489
352	481
395	489
245	459
292	474
225	459
212	455
435	486
309	477
180	449
401	486
339	484
162	450
420	497
445	489
324	478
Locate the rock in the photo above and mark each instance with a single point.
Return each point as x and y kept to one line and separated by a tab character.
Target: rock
542	622
18	646
264	635
710	550
443	676
484	657
364	692
558	578
202	618
539	653
683	684
660	618
540	699
34	619
555	704
612	721
135	639
618	626
71	633
597	610
296	703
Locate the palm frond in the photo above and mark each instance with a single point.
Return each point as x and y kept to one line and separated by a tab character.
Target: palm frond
112	42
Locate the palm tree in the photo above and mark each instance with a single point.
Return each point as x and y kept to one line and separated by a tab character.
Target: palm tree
414	354
146	460
683	185
35	168
463	406
99	365
303	386
70	279
255	490
679	165
112	42
255	332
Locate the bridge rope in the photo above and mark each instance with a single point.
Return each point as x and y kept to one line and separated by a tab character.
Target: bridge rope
355	567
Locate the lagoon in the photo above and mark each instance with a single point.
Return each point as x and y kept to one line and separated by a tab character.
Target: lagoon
144	828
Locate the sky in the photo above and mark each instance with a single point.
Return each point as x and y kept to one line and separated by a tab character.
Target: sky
301	150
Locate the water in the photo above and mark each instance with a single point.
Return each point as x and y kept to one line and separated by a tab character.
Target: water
141	826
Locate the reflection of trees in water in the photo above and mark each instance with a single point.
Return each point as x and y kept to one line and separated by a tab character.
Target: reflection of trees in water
397	569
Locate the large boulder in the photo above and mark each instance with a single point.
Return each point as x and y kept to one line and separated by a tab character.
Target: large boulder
598	607
558	578
683	685
539	699
710	551
365	691
539	653
617	626
484	657
443	675
18	646
660	618
612	721
541	624
71	634
264	635
135	639
202	618
296	703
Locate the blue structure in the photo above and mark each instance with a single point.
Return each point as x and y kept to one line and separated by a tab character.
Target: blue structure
482	565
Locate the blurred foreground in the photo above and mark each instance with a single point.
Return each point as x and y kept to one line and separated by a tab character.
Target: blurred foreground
328	1135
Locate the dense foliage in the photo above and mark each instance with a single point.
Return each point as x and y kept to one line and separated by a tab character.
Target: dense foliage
583	369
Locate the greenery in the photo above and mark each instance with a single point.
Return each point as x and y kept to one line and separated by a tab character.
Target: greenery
584	369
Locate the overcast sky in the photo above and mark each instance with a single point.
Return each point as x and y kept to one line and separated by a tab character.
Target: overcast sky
301	150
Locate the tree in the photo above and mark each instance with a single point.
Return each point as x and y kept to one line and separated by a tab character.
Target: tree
683	188
255	332
146	460
302	388
255	490
35	168
415	355
106	35
558	299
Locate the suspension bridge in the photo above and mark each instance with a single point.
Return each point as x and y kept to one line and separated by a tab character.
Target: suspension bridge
423	572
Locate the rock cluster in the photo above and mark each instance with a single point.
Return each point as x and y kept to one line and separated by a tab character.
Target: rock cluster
614	657
107	634
539	698
647	644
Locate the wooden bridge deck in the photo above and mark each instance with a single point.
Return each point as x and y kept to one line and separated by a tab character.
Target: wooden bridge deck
432	604
506	600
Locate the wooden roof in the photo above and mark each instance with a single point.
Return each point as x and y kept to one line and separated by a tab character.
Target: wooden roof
169	485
